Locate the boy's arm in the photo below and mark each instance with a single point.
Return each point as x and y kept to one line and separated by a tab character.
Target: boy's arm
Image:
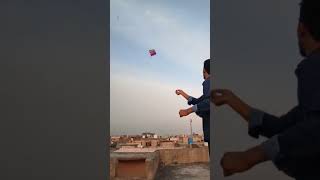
297	142
225	97
194	101
259	122
183	94
202	106
197	108
300	141
237	162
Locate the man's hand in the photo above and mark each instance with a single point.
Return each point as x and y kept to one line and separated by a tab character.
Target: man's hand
185	112
237	162
222	96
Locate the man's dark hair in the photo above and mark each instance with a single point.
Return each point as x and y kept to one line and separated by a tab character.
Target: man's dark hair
310	16
206	65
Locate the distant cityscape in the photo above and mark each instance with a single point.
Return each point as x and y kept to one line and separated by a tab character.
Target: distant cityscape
146	155
148	141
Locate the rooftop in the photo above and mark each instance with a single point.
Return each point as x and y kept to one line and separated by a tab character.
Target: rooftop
196	171
149	149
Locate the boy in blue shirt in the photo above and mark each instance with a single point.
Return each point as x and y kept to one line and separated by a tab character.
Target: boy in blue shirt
201	105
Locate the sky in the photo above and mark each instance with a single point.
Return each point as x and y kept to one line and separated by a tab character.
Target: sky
142	88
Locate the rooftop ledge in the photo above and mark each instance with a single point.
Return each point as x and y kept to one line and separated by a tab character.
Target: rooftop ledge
145	165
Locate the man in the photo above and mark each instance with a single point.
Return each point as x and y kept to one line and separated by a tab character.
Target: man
294	138
201	105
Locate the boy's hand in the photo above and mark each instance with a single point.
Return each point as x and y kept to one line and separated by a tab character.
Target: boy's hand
236	162
221	96
185	112
179	92
224	96
182	93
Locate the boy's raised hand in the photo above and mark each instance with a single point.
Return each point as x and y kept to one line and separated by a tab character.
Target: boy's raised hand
179	92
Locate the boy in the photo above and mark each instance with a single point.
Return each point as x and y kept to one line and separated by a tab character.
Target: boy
201	105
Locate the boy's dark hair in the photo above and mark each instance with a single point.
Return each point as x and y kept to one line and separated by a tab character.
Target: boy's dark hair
206	66
310	16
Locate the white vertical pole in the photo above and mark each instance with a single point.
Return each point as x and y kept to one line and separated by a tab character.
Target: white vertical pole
191	127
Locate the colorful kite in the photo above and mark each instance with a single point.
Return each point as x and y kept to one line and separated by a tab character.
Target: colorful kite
152	52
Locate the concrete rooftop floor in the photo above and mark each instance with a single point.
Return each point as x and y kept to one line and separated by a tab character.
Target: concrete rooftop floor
198	171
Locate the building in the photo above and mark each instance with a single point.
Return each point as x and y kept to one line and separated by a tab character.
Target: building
183	139
154	143
167	144
129	145
197	138
149	135
174	139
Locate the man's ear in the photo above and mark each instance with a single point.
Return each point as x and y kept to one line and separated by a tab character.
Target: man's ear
300	30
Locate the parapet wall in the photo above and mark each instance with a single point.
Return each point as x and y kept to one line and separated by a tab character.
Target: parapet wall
183	156
142	166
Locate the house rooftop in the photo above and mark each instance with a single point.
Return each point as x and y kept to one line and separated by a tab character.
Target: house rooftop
195	171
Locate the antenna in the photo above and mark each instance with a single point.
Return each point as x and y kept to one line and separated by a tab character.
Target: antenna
191	127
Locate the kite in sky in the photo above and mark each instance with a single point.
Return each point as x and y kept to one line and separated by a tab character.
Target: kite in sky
152	52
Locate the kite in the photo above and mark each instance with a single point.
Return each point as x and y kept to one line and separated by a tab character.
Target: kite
152	52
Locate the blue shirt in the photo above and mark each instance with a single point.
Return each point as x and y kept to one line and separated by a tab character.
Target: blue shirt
201	105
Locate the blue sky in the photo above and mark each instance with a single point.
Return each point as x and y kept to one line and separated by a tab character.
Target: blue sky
179	31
